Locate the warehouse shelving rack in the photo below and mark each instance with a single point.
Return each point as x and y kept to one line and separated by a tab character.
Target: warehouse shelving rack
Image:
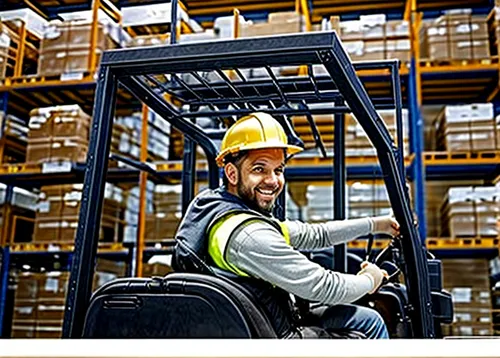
422	84
435	82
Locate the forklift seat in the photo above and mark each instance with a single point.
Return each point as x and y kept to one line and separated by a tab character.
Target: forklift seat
179	305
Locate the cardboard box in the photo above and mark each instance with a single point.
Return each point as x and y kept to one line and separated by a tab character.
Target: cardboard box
374	50
73	149
46	230
77	60
27	286
397	28
439	51
24	309
351	30
80	33
52	62
53	285
65	47
71	126
24	329
51	311
284	17
437	34
56	37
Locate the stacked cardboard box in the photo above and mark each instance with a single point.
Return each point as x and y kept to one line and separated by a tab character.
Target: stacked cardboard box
455	36
435	192
14	127
373	38
363	200
59	133
58	208
278	23
40	299
163	222
470	212
65	47
39	305
149	40
23	206
470	127
468	282
126	139
356	140
132	204
368	199
15	132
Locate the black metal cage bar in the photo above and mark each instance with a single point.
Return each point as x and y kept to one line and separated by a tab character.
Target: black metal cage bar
210	79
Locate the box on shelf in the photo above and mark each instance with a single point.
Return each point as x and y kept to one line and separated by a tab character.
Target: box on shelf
470	212
58	208
41	314
278	23
162	222
468	282
65	47
466	128
455	37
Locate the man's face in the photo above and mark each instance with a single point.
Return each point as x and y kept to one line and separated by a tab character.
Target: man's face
261	178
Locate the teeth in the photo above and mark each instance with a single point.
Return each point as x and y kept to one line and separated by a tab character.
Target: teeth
266	192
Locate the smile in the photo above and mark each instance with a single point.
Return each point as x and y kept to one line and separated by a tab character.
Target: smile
266	192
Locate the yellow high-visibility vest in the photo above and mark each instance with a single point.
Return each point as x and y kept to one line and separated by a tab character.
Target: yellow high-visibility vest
221	231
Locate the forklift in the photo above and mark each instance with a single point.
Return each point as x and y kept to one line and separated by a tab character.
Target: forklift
211	80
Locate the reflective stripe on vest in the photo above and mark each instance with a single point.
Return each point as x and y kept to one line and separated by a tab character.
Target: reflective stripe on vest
220	233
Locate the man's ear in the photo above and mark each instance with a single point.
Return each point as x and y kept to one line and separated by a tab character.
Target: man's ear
231	173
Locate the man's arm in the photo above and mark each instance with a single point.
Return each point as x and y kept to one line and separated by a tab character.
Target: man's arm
261	251
313	236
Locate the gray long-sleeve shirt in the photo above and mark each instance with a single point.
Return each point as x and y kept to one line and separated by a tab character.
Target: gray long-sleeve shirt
260	250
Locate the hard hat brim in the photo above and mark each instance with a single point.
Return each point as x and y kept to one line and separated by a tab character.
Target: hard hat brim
290	150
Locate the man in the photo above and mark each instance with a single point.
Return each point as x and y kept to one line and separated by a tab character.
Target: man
232	229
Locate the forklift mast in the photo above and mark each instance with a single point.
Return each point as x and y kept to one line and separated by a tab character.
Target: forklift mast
209	79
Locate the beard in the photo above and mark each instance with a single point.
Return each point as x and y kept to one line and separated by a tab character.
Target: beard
249	197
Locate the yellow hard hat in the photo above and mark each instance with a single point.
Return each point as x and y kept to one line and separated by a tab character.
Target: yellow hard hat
256	131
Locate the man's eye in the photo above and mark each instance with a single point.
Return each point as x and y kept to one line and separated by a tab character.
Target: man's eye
279	171
258	169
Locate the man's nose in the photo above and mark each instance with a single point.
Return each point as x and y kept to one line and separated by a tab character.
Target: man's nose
271	178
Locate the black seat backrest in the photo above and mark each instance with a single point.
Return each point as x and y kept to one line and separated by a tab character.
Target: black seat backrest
179	305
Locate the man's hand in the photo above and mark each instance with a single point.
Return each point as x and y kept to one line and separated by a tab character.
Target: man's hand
372	270
385	225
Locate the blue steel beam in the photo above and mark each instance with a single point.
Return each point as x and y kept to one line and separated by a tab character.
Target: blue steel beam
4	283
416	147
